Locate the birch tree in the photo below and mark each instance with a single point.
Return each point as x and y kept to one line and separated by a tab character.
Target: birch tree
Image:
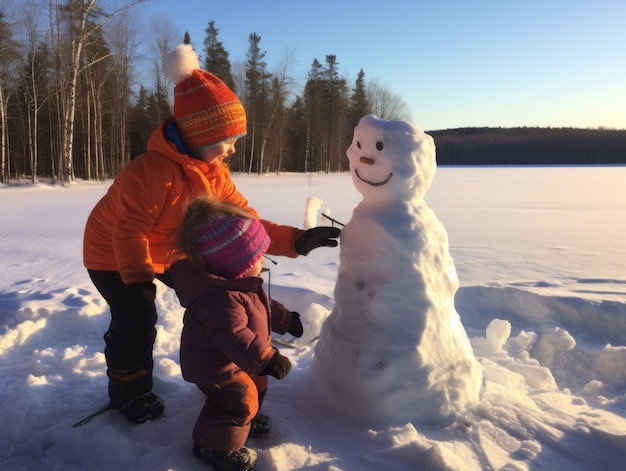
82	18
9	57
75	14
122	40
165	38
274	136
386	104
34	83
96	80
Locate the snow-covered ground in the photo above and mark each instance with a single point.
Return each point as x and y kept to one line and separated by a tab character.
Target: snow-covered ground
541	257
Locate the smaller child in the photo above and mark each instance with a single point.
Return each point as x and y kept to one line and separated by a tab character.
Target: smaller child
225	344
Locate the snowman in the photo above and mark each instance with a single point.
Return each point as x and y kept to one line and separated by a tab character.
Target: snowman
393	349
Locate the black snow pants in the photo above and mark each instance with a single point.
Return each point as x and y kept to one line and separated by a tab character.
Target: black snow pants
130	338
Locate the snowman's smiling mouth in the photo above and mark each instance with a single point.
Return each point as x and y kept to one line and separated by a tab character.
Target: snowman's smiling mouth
356	172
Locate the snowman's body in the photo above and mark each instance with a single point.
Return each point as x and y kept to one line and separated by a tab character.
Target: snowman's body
394	347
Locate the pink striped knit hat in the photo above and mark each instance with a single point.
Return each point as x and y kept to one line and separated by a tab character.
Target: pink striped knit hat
230	245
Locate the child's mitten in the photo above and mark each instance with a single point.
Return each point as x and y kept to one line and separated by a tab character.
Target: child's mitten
295	328
278	366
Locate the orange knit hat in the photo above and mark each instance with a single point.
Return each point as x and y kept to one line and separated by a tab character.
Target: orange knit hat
207	112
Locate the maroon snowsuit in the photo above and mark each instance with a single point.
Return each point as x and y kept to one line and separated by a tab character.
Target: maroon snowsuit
225	342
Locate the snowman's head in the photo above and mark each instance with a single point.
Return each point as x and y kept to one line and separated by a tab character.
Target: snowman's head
391	160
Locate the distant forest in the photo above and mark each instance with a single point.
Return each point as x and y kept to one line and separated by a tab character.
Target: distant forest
529	146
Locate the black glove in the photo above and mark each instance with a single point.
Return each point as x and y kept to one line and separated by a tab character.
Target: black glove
322	236
278	366
295	328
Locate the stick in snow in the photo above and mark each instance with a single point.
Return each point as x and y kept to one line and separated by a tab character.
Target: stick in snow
83	421
285	343
292	343
334	221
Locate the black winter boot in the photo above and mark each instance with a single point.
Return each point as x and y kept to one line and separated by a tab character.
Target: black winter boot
130	393
243	459
148	406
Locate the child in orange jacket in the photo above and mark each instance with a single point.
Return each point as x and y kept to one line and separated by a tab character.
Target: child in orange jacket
130	234
225	344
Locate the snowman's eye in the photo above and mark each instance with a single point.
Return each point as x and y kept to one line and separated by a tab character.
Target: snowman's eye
379	145
358	144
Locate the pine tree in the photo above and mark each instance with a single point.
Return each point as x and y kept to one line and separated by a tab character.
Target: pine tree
216	59
313	94
359	105
257	91
336	103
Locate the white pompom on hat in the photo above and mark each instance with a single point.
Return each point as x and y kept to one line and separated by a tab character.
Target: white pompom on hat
180	63
207	112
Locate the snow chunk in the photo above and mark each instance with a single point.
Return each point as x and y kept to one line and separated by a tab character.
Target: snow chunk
498	331
311	211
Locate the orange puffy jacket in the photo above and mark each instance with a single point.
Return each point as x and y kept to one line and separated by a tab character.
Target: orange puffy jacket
133	228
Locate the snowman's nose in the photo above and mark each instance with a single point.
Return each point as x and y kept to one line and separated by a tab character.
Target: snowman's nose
366	161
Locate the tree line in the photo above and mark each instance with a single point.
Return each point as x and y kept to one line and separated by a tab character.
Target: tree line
530	146
71	105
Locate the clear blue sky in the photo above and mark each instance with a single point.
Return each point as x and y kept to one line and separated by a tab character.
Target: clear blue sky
456	63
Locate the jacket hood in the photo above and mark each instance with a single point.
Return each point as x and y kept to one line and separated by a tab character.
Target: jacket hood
159	143
191	282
